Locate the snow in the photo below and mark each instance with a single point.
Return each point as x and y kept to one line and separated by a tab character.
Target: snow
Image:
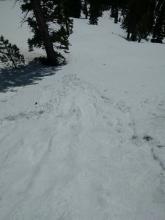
13	27
86	141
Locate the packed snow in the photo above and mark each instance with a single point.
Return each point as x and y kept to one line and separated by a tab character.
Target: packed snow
85	141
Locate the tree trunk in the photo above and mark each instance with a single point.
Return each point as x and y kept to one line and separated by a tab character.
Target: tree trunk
85	9
128	34
43	28
134	36
116	15
112	15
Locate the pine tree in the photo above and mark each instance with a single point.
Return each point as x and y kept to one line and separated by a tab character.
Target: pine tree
159	24
95	11
138	19
106	4
10	54
74	8
50	24
85	8
115	10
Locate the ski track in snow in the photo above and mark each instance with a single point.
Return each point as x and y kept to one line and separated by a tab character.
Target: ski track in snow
71	168
75	150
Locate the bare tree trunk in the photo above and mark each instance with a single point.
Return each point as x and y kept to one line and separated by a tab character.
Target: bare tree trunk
43	28
85	9
128	33
116	14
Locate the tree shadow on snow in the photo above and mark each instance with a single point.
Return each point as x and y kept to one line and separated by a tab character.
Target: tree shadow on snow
28	75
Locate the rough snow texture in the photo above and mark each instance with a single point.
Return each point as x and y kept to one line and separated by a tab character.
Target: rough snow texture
87	143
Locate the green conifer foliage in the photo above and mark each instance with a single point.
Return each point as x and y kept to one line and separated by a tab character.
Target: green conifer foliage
10	54
50	24
159	22
95	11
74	8
138	19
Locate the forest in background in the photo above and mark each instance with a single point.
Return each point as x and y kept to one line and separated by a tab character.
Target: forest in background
51	22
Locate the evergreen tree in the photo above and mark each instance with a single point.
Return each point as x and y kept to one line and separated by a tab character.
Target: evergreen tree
106	4
115	10
10	54
85	8
138	19
95	11
159	24
74	8
50	24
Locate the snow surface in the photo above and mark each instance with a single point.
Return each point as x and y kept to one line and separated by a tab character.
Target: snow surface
87	142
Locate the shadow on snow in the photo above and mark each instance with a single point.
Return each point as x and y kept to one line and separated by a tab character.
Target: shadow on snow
28	75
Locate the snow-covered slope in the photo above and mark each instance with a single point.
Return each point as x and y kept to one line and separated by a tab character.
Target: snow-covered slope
87	143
